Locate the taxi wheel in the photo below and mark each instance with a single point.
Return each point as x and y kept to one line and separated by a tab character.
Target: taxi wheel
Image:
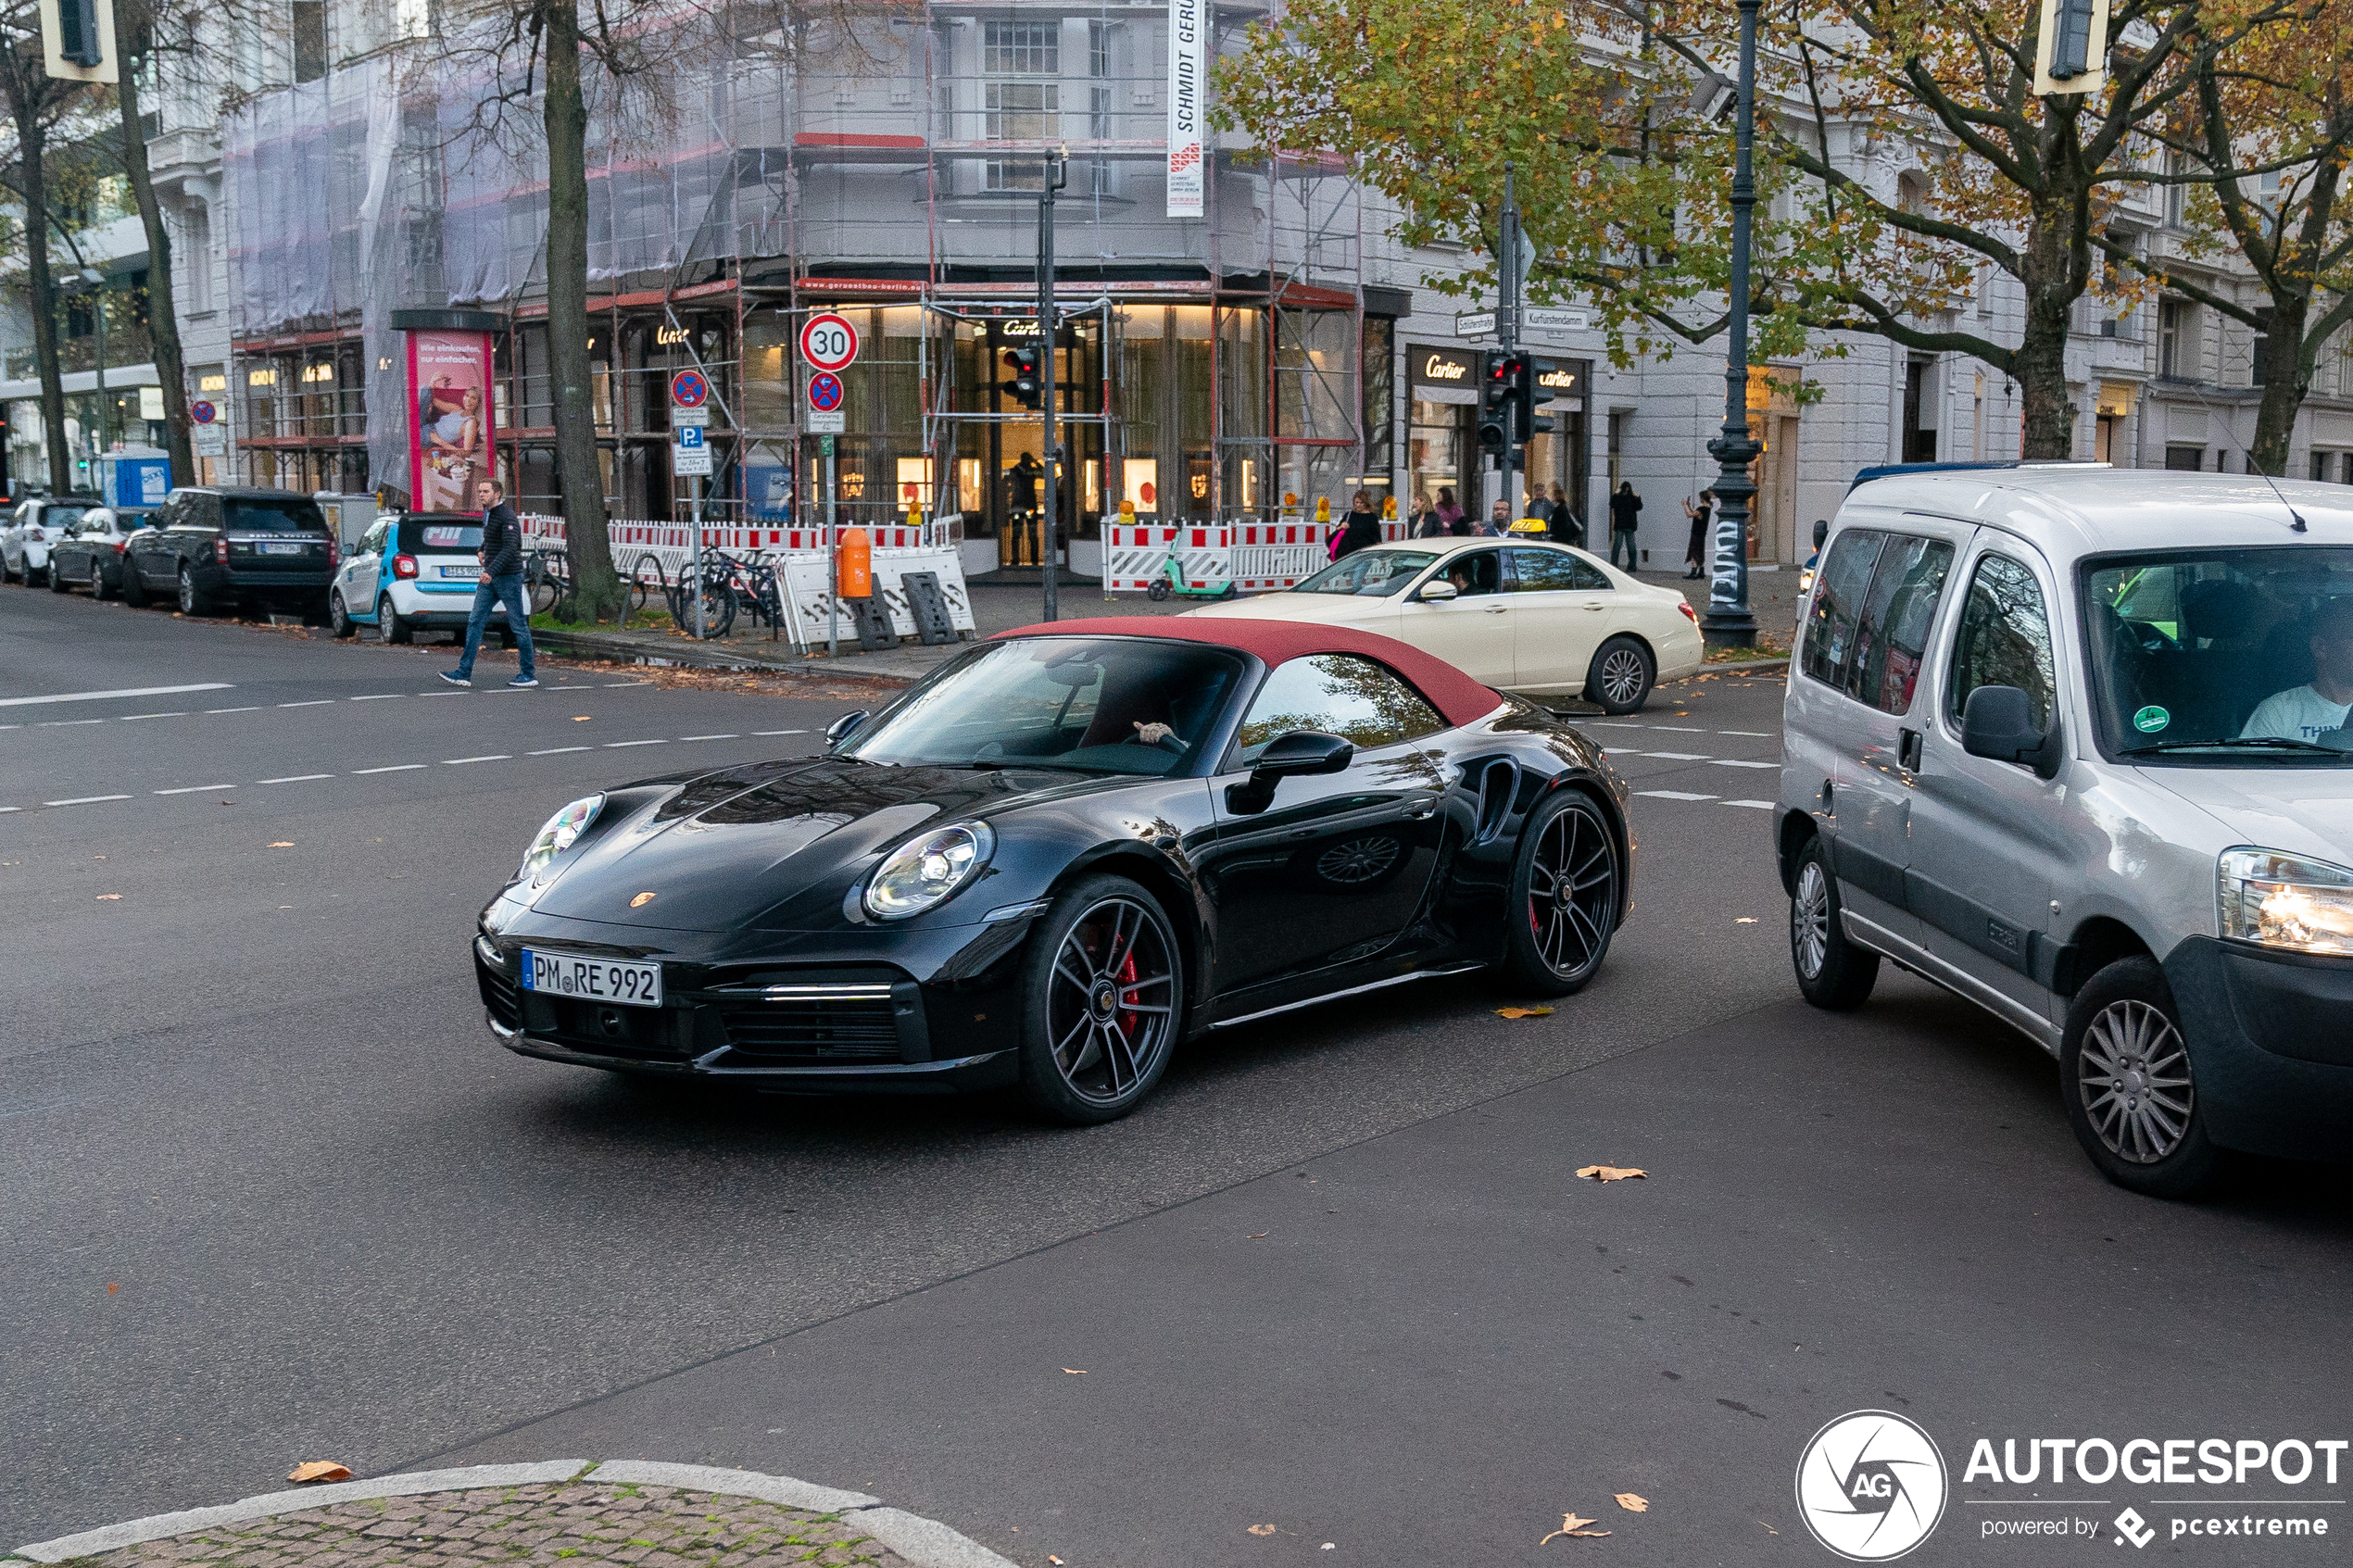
1621	675
339	619
2132	1095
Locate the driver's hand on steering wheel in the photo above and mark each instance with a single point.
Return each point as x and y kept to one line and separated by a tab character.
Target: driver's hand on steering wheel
1157	733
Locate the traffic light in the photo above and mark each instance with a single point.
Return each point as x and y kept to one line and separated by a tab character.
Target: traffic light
1026	386
1495	401
1524	399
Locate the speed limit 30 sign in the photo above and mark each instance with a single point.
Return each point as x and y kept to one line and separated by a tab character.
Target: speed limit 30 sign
828	341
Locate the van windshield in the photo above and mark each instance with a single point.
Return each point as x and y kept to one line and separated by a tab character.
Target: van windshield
2237	656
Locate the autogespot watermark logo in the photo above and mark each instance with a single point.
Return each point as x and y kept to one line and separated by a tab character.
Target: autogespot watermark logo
1871	1486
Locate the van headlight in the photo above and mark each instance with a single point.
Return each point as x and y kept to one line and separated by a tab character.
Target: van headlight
926	872
562	830
2282	900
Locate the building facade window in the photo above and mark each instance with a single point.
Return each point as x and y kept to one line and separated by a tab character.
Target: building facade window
2174	348
308	25
1020	100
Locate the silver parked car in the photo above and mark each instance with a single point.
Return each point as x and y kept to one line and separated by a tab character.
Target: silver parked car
2072	743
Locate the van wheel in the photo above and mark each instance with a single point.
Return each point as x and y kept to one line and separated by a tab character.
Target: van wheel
2131	1095
1620	676
1833	973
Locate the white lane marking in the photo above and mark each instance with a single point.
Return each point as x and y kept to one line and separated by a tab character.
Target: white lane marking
378	697
11	726
1758	805
61	723
395	768
458	693
1753	734
296	778
128	717
1673	795
780	732
126	691
314	702
616	685
462	761
711	737
1678	756
611	744
11	807
254	709
558	750
195	789
85	800
1680	729
1736	762
1613	725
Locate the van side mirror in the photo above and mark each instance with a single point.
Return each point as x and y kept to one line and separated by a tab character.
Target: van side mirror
1997	722
1299	753
1821	531
842	728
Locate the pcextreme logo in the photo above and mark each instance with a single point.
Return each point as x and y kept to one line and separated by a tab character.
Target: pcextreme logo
1871	1486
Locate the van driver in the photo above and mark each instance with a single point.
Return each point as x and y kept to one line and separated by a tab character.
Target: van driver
2309	711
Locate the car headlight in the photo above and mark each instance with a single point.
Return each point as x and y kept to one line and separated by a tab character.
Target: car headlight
562	830
926	872
2283	901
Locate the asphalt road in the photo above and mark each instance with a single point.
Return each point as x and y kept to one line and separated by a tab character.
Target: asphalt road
273	1194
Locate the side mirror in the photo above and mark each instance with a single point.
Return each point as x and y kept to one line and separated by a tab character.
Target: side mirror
1821	531
1997	722
1286	756
842	728
1435	592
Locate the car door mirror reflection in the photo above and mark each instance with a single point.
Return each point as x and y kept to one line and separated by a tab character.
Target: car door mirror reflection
1437	592
842	728
1297	754
1997	723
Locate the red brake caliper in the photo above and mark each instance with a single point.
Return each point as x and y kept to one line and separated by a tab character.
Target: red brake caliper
1127	979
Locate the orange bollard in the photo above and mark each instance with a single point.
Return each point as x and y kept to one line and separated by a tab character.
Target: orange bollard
854	566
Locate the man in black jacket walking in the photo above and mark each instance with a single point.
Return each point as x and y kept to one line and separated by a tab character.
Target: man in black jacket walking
501	583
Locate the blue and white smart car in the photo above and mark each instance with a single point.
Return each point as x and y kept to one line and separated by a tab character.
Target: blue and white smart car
410	573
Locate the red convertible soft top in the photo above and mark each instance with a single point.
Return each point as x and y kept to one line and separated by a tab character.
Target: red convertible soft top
1454	694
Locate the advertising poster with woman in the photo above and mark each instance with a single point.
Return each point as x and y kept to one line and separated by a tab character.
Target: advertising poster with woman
450	439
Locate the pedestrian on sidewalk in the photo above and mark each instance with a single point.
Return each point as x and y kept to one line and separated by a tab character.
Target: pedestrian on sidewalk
1566	527
501	583
1457	522
1360	529
1625	514
1427	524
1499	519
1696	556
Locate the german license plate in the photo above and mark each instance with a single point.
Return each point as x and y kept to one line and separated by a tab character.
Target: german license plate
467	571
616	981
281	547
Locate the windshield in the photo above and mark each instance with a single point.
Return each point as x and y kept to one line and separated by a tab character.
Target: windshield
294	515
1096	705
2242	656
1372	573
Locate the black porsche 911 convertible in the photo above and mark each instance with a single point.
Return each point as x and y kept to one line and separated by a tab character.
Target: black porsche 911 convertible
1059	855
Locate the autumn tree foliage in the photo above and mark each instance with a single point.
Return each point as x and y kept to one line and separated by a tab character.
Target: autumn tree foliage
1905	160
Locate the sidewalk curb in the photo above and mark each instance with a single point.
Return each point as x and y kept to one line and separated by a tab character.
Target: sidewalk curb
1742	665
924	1542
692	655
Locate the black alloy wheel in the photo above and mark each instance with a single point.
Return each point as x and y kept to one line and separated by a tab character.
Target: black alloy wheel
191	599
1565	896
1621	675
339	619
134	588
2131	1092
1105	1000
1833	972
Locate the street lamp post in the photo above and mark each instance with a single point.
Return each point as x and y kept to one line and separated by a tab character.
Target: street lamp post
1057	171
1729	623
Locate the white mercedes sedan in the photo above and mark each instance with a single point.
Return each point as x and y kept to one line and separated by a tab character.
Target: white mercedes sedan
1539	619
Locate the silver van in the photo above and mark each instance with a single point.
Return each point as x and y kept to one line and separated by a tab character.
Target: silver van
2072	743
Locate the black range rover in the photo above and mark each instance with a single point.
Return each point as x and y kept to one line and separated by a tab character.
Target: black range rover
216	545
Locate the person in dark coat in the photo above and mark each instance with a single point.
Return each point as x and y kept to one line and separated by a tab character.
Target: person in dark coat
1625	519
1457	521
1361	527
1696	556
1427	524
1564	527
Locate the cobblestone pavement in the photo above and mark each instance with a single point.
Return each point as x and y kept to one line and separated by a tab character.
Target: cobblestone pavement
577	1523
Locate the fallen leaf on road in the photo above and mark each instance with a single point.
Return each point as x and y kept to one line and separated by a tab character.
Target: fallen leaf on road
1633	1504
1610	1173
1574	1524
1053	1559
1076	1371
1523	1013
582	719
1769	1529
112	1286
1744	919
1259	1236
284	844
320	1470
1262	1529
110	897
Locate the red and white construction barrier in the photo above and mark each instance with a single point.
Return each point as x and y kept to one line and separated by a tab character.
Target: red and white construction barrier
671	543
1256	557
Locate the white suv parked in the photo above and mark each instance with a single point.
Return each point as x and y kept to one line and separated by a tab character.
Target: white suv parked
2072	742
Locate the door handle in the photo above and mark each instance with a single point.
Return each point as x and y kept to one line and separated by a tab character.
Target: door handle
1908	749
1494	609
1597	608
